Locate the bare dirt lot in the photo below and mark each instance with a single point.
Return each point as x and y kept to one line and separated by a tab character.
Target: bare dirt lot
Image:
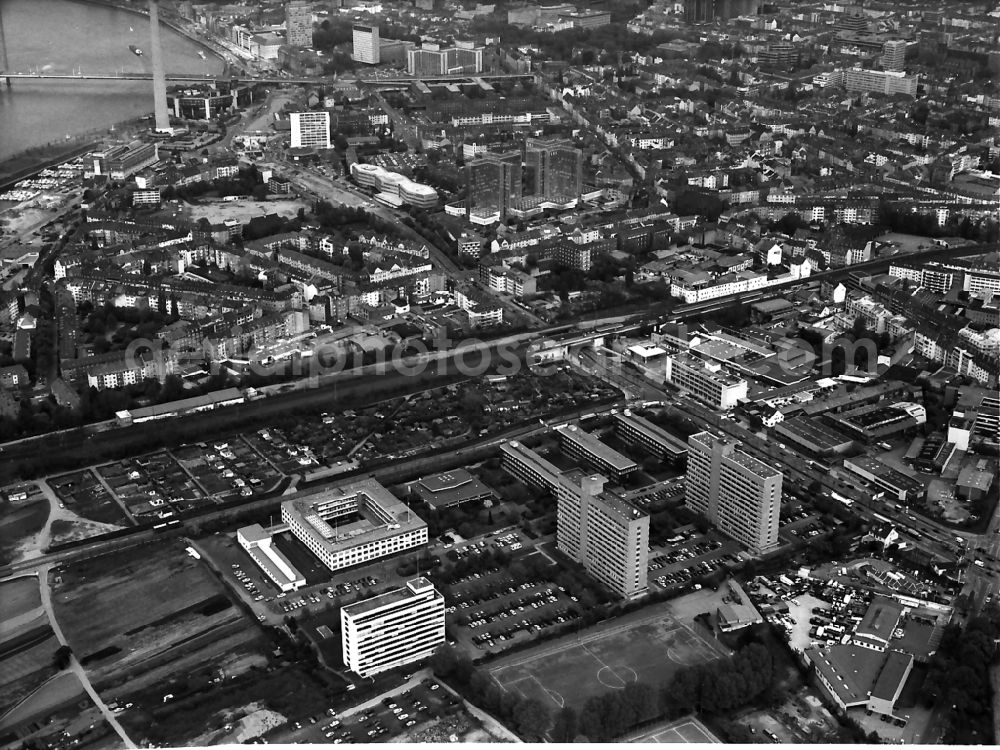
242	210
128	611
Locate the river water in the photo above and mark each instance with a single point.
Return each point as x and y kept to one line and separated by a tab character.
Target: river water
59	36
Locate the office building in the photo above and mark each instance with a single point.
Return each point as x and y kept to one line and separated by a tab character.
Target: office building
310	129
298	23
121	162
494	182
583	446
352	524
588	19
366	45
555	167
392	185
607	535
398	627
433	59
709	382
738	493
859	80
635	430
451	488
894	55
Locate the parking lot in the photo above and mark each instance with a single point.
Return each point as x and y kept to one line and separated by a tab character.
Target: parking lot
492	610
690	555
381	721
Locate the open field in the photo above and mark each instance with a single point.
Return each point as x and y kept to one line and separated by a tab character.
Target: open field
128	610
18	523
50	696
576	668
19	596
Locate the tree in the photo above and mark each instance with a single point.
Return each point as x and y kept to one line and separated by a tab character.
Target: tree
62	657
532	719
565	727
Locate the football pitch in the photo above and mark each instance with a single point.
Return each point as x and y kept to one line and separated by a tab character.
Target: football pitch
680	732
592	663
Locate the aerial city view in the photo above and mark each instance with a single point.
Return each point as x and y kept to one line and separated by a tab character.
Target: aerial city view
442	371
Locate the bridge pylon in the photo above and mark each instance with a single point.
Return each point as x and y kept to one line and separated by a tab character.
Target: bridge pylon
4	65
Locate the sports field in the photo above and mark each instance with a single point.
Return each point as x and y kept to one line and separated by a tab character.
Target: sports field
648	650
680	732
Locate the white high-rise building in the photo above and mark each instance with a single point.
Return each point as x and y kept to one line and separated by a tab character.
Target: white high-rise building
310	129
396	628
738	493
366	45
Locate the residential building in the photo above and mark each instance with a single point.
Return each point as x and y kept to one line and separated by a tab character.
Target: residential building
583	446
608	535
635	430
524	464
738	493
310	129
298	23
879	82
396	628
366	45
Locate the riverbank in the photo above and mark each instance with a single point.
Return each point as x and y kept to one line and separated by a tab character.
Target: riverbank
29	164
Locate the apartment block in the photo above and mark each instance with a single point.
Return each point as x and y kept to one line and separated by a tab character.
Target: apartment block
583	446
399	627
310	129
635	430
367	47
738	493
608	535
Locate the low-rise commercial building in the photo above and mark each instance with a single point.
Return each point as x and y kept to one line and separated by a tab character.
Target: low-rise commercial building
275	565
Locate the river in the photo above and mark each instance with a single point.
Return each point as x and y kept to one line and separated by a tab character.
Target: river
60	36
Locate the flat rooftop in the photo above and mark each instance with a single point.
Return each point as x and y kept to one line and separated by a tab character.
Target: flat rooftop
736	454
653	431
395	596
884	472
850	670
383	515
450	487
881	619
594	446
